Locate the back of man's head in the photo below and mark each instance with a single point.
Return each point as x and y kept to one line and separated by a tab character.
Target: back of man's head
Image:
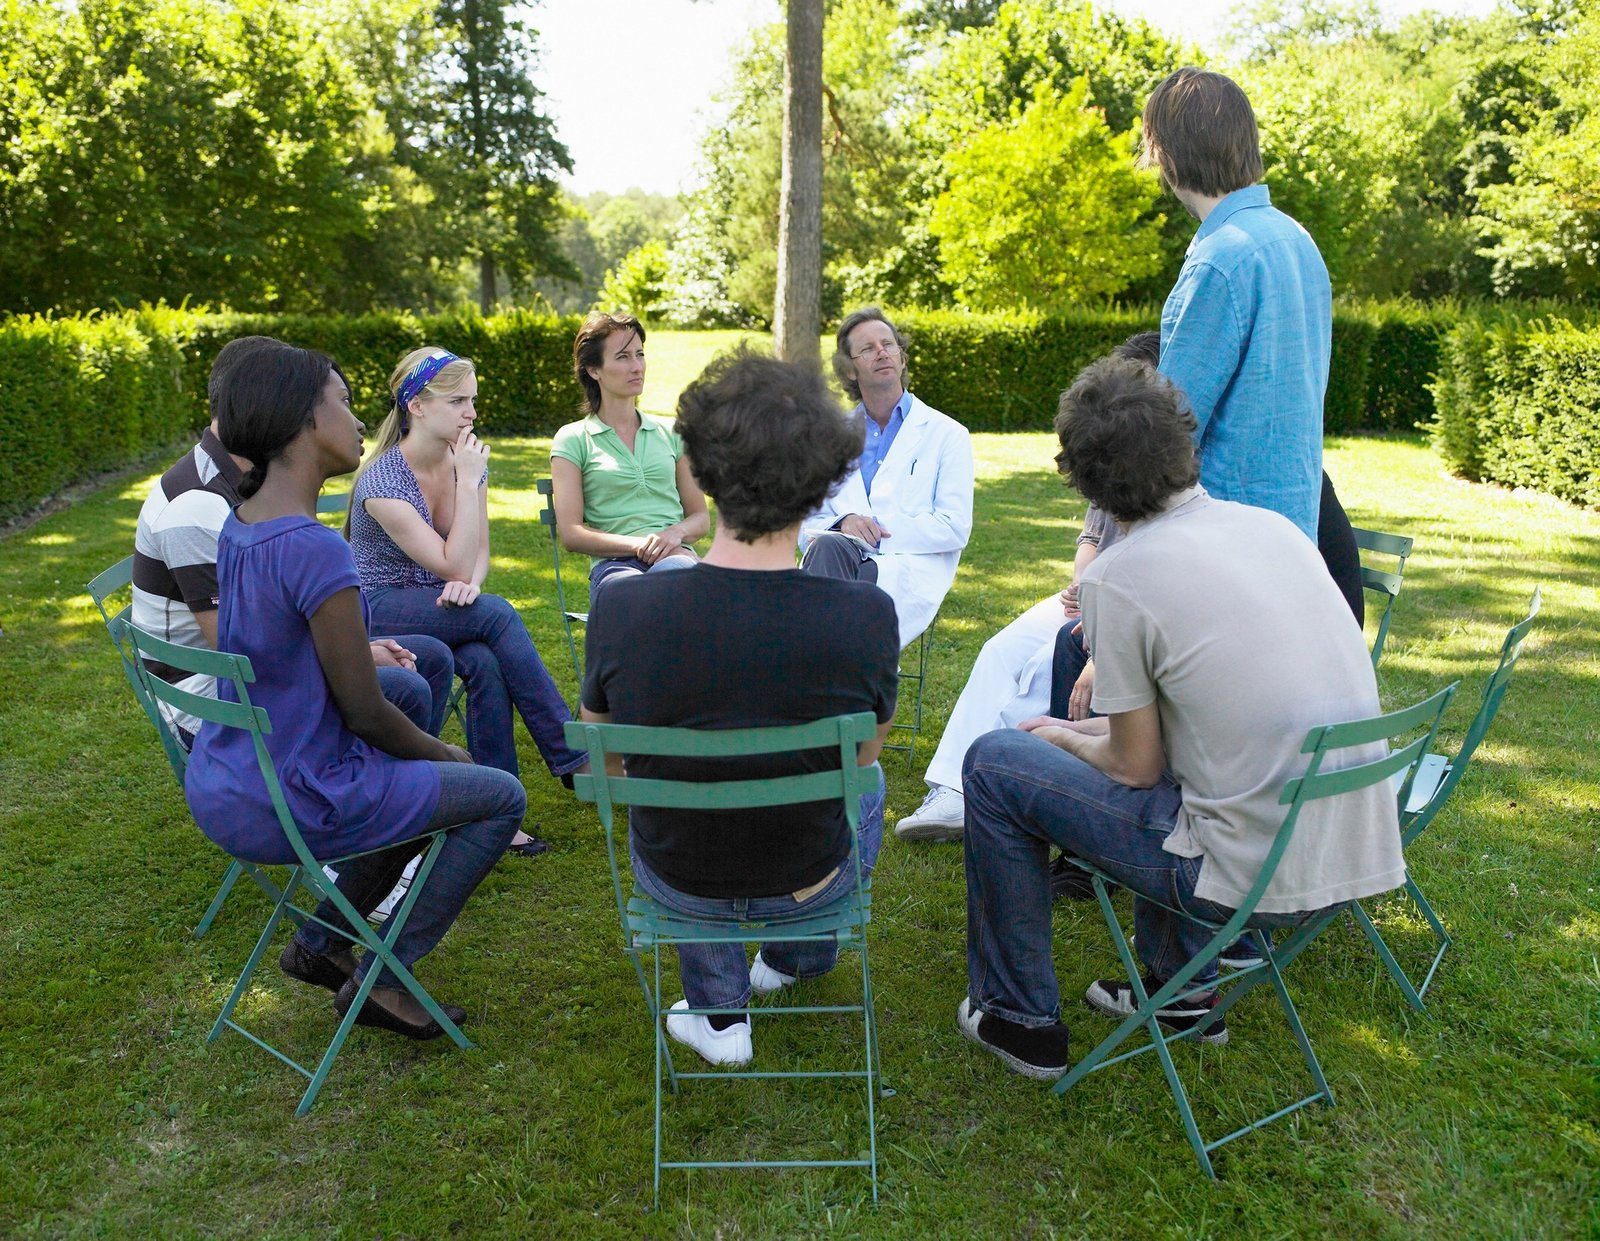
1200	132
1126	438
766	440
228	358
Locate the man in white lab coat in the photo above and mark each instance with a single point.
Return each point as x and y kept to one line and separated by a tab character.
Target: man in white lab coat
904	513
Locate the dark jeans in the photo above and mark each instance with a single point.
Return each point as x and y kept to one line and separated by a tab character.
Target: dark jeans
717	975
488	806
1024	795
424	695
1067	666
496	658
621	568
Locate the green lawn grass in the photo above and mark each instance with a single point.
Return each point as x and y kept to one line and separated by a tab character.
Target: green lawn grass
1479	1118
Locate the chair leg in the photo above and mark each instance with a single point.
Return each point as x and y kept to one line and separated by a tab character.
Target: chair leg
874	1080
230	878
1313	1065
262	941
1413	994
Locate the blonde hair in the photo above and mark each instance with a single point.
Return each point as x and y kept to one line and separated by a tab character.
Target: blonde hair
451	378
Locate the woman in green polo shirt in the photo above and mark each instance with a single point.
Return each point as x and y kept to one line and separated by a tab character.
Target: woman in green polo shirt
623	492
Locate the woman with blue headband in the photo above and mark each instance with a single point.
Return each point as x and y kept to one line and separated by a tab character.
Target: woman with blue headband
419	528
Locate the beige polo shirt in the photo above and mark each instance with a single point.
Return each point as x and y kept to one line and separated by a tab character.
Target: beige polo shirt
1224	615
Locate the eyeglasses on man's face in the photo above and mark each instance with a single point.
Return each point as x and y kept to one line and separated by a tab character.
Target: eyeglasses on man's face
886	349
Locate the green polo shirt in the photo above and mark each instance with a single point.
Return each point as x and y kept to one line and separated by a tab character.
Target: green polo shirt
624	492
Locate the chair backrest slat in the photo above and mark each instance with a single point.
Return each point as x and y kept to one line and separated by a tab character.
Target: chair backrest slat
724	742
724	794
1384	583
194	661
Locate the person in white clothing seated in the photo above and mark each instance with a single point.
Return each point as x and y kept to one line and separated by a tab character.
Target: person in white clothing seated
902	516
1010	680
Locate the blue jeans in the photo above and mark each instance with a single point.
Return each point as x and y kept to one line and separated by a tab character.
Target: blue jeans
496	658
1024	795
621	568
424	695
1066	667
488	806
717	975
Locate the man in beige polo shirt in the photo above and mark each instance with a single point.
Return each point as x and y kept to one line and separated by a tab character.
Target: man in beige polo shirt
1220	640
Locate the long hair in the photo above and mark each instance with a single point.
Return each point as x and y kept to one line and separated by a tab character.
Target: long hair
397	423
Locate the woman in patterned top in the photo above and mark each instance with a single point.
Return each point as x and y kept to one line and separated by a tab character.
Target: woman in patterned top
419	528
623	493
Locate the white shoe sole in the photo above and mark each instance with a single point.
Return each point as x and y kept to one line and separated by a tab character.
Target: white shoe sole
933	830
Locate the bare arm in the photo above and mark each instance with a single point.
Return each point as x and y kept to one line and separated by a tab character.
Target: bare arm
455	556
1125	746
567	487
346	659
207	621
867	752
613	761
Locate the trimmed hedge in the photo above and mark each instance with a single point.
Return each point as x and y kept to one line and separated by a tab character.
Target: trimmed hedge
97	393
1507	396
1006	372
1519	404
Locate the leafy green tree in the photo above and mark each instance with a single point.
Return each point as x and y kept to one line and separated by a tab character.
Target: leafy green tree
639	283
1046	209
1541	225
174	148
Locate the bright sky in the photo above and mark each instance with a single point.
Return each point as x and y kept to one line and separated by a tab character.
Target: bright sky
629	82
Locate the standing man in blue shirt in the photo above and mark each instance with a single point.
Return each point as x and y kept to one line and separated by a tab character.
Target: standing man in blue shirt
1247	331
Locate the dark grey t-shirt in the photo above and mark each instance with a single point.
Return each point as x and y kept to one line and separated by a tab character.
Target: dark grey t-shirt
711	647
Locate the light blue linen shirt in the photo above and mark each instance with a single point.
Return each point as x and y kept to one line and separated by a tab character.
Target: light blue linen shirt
878	441
1247	335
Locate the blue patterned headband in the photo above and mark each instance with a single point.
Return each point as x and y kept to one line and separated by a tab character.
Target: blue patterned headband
421	376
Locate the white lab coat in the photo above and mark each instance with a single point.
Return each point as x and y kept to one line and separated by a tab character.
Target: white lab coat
922	494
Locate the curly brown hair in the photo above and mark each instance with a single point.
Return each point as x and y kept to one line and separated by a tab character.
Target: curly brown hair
1127	438
766	440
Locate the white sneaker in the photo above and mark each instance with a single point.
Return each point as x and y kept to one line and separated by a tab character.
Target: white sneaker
730	1046
392	901
942	816
764	980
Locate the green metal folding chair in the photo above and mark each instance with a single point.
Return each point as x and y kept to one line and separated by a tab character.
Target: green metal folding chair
332	503
1383	583
307	870
1323	745
119	577
569	618
1436	779
920	676
649	926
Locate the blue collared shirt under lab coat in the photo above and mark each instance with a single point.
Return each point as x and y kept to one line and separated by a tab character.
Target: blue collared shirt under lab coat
878	441
1247	335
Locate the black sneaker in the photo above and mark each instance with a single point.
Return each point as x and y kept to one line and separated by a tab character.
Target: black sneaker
1116	999
1241	954
1068	883
1039	1052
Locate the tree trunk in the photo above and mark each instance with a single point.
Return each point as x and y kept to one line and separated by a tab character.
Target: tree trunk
797	316
486	283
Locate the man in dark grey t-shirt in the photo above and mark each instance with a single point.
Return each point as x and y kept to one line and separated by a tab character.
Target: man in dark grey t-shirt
740	640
